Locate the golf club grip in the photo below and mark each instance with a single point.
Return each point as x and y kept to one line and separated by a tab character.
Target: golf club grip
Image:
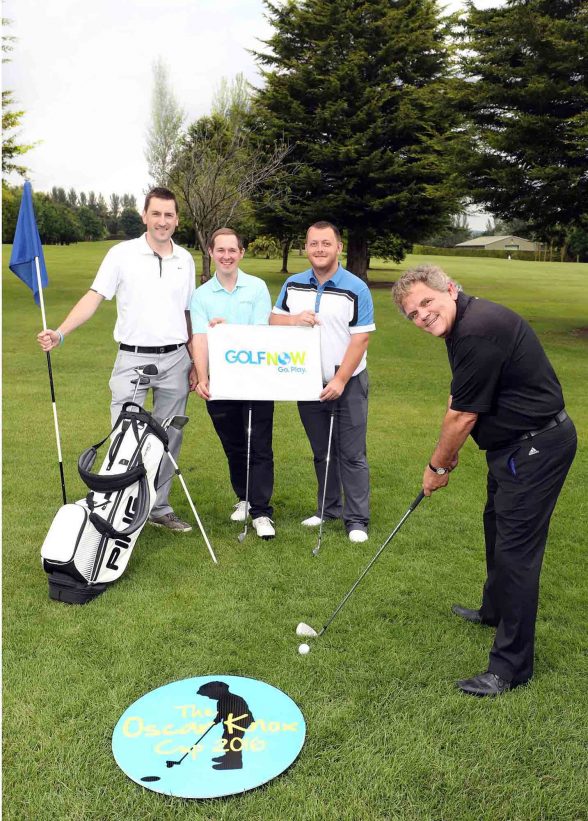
418	500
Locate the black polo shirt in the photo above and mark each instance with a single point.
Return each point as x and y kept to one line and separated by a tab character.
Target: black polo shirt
501	372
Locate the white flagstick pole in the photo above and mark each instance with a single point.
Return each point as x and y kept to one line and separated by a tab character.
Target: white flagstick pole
55	422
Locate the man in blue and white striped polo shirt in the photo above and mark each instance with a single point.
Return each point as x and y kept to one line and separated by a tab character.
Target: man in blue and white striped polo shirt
341	304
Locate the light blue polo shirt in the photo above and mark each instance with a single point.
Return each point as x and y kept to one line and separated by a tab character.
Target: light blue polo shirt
249	303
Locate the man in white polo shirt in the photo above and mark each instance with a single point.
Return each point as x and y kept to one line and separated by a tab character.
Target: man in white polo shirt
238	298
341	304
152	279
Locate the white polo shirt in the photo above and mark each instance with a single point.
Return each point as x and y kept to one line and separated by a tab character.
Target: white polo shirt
152	294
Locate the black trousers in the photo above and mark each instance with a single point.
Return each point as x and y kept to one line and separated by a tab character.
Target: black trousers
524	482
230	422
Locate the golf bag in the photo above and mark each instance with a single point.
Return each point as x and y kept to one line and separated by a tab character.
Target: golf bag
90	542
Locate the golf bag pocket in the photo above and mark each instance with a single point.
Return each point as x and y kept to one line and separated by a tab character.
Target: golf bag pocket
90	542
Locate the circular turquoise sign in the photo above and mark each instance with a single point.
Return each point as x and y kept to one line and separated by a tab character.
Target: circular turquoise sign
208	736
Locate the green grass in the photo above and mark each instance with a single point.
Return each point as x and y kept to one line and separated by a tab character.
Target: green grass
389	737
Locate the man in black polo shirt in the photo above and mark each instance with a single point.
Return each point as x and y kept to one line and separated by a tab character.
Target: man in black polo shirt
504	392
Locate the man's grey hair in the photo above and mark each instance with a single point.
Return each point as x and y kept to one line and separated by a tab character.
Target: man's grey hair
430	275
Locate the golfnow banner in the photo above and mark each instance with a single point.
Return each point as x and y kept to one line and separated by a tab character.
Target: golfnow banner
264	362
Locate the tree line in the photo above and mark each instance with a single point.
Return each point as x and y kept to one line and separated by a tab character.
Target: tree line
64	217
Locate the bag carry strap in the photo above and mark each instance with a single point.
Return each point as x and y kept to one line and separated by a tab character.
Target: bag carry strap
140	514
102	483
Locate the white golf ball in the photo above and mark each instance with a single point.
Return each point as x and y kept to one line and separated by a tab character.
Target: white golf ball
304	649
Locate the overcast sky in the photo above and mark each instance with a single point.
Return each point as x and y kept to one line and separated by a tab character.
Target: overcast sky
82	71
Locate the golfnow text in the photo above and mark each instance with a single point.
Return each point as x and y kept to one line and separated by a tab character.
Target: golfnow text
286	362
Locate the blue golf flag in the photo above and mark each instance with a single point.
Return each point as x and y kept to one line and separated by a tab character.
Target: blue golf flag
27	245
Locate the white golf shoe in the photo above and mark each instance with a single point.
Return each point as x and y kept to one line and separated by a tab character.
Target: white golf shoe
358	536
238	514
264	527
312	521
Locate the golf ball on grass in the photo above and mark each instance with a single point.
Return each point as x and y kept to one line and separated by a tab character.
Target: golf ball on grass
304	649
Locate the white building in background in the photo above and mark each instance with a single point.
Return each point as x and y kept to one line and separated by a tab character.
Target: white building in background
508	243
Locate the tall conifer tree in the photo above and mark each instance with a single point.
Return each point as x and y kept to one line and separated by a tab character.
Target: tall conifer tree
528	104
361	90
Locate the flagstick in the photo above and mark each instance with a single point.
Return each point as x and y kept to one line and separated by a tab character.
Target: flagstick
55	422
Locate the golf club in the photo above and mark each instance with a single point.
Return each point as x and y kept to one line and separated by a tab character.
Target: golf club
178	422
143	373
320	535
304	629
170	764
241	536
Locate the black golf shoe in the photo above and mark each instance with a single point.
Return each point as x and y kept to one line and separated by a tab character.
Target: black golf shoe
486	684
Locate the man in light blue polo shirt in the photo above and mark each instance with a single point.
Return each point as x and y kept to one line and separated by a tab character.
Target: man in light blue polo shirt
341	304
238	298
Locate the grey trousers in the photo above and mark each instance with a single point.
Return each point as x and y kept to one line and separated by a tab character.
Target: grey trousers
348	467
170	394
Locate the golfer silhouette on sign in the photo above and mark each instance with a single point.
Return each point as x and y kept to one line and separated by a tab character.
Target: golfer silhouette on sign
233	711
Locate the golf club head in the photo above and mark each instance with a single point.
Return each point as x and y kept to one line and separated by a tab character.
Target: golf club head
169	764
178	422
141	380
241	536
150	370
305	630
315	550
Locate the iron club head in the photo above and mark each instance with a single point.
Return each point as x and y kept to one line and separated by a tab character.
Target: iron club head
305	630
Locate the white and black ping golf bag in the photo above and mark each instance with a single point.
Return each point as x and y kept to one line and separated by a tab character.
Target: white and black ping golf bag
89	543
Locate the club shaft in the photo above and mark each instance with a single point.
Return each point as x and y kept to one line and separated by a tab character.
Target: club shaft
417	501
195	744
318	547
193	508
247	469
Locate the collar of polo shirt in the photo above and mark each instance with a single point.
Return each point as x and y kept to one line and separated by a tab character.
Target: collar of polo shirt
147	249
334	279
218	286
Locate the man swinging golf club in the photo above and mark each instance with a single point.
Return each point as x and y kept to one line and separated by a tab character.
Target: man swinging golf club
152	279
504	392
244	428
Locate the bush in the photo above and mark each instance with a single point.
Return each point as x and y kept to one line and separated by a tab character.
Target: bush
265	247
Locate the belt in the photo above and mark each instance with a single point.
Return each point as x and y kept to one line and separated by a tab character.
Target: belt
553	423
143	349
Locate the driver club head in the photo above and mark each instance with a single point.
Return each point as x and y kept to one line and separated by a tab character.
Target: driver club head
304	629
149	370
141	380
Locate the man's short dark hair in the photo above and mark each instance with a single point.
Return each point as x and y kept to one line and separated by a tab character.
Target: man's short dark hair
231	232
321	225
160	194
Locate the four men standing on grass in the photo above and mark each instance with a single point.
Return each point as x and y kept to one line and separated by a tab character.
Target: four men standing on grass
504	393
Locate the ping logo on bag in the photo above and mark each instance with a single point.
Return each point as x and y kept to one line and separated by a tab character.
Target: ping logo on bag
122	542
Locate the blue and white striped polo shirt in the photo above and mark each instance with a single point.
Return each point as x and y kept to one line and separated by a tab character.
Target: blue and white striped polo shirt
344	307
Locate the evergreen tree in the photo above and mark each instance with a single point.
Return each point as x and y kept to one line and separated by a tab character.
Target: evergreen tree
528	103
11	118
361	90
165	123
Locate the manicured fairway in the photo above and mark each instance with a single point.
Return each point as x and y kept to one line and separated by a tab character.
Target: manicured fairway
389	737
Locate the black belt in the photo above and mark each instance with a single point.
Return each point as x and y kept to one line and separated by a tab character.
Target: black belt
553	423
143	349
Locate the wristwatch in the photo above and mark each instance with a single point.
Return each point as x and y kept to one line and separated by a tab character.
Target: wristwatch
439	471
